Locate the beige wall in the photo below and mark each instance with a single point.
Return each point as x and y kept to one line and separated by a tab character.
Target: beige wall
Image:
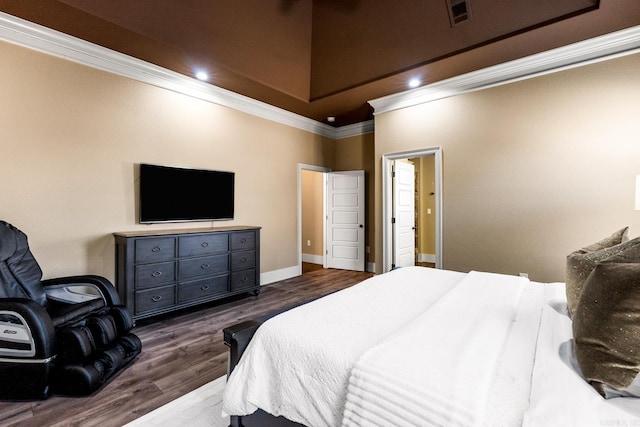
72	137
312	212
531	170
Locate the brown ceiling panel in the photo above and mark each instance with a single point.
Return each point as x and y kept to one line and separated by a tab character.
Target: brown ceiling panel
264	40
377	38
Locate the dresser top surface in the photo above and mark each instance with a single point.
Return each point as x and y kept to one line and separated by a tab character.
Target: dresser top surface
162	232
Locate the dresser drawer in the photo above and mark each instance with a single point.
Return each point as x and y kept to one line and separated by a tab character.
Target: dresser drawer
203	244
243	279
152	275
155	249
243	241
154	299
203	266
243	260
203	288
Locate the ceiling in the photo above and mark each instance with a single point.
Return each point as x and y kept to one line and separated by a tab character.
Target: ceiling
321	58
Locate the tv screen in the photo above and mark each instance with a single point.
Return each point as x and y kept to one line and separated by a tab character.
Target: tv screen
171	194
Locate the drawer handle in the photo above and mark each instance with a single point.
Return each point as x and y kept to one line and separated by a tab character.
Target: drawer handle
155	249
156	273
204	266
204	287
244	279
156	298
204	244
244	259
243	240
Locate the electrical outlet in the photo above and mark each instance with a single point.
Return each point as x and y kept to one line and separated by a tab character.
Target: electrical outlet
308	242
524	275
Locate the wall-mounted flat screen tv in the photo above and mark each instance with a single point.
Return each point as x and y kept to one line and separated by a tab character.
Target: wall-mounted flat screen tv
172	194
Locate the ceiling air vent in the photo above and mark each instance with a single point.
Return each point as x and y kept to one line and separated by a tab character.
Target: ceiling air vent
459	11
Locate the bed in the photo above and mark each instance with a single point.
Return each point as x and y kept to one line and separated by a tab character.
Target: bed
421	347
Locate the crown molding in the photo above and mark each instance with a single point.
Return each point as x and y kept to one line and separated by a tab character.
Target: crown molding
609	46
354	129
33	36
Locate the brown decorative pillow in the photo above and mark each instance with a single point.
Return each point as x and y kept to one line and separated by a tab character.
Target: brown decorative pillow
581	262
606	325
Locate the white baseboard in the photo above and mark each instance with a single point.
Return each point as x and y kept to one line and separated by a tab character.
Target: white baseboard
313	259
427	258
319	259
277	275
289	272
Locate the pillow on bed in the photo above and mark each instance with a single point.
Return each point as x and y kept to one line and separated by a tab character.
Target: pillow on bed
580	263
606	325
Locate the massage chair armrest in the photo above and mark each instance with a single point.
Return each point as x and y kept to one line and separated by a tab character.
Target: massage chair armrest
74	289
26	330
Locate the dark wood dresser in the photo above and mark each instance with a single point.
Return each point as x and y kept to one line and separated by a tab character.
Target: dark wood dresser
165	270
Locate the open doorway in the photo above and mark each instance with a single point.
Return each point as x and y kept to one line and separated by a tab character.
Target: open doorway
425	210
331	219
311	214
412	210
312	220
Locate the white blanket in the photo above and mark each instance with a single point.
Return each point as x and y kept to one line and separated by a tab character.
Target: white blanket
509	396
439	370
298	363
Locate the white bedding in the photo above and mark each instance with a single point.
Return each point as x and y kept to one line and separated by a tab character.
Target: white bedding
299	363
559	395
445	377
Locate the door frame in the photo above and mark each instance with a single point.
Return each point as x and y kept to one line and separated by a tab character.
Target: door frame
313	168
387	201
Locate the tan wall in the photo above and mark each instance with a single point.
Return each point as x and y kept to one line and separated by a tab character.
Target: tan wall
357	153
312	212
531	170
72	135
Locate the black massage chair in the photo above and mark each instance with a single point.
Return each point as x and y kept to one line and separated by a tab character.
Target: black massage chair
65	336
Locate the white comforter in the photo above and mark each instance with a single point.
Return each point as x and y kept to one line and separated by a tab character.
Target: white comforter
473	339
559	395
298	363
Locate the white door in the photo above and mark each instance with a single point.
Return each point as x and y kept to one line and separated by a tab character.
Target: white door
345	220
404	227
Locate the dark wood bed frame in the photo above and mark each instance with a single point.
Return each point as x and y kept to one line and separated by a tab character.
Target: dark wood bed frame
237	337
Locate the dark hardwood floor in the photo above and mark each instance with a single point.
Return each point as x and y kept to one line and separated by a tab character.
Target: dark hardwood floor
180	353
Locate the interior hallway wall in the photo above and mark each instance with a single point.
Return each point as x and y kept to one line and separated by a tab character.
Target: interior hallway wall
425	208
312	216
357	153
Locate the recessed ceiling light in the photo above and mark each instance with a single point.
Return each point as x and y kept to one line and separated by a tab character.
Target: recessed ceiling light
415	82
331	119
201	75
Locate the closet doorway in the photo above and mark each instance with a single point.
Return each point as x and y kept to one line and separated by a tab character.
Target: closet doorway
331	218
412	208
